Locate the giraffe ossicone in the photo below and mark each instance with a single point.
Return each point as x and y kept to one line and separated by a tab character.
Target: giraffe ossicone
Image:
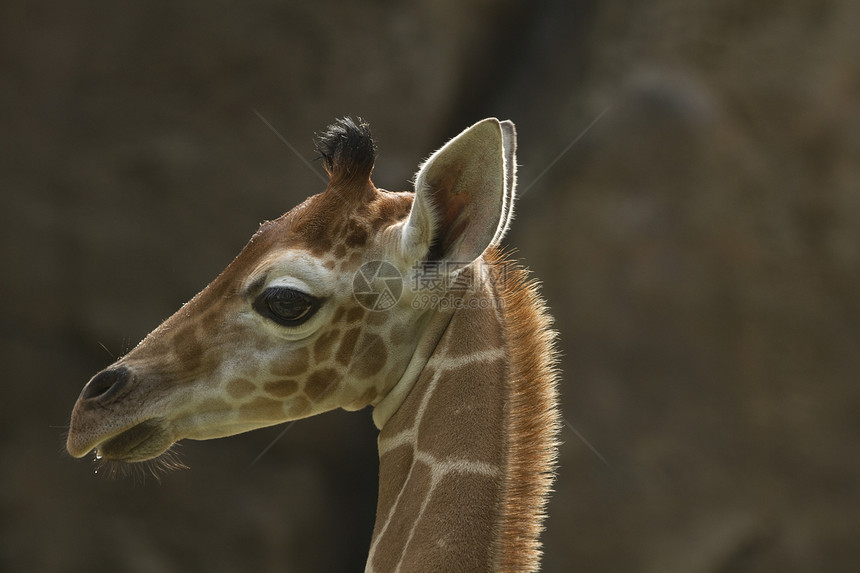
362	297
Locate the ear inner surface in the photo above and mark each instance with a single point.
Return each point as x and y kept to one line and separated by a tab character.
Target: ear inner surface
463	187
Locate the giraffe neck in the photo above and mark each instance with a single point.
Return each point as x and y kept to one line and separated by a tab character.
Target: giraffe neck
466	460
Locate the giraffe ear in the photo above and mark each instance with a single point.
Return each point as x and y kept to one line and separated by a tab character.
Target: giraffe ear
463	196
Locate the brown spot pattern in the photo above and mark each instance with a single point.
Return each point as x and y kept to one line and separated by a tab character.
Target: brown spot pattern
354	259
293	363
281	388
355	314
377	318
320	246
373	356
324	344
366	398
187	347
399	333
263	409
240	387
321	384
213	405
211	321
347	346
357	238
298	407
338	315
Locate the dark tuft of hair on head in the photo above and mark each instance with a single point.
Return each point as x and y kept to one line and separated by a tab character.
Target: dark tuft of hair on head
347	149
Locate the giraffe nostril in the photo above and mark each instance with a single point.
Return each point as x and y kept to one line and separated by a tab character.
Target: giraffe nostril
106	384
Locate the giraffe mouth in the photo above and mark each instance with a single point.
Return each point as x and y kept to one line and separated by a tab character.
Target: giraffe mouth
139	443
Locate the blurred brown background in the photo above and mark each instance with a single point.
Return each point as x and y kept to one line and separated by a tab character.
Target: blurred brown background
699	246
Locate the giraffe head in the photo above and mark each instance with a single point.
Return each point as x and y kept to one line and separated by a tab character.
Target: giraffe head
290	328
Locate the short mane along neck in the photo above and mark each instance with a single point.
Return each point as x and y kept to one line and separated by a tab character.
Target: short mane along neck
467	461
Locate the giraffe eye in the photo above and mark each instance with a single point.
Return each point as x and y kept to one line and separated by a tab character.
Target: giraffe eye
286	306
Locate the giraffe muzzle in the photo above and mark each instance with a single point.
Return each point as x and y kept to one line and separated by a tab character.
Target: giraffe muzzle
105	421
102	421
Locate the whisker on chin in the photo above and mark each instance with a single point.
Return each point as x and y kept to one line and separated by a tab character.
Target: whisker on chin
140	471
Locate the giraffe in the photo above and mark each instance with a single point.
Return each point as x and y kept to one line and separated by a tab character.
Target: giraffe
401	301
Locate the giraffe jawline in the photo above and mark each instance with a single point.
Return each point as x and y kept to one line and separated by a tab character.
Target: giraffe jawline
139	443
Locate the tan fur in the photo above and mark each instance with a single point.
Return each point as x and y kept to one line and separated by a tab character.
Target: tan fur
534	420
